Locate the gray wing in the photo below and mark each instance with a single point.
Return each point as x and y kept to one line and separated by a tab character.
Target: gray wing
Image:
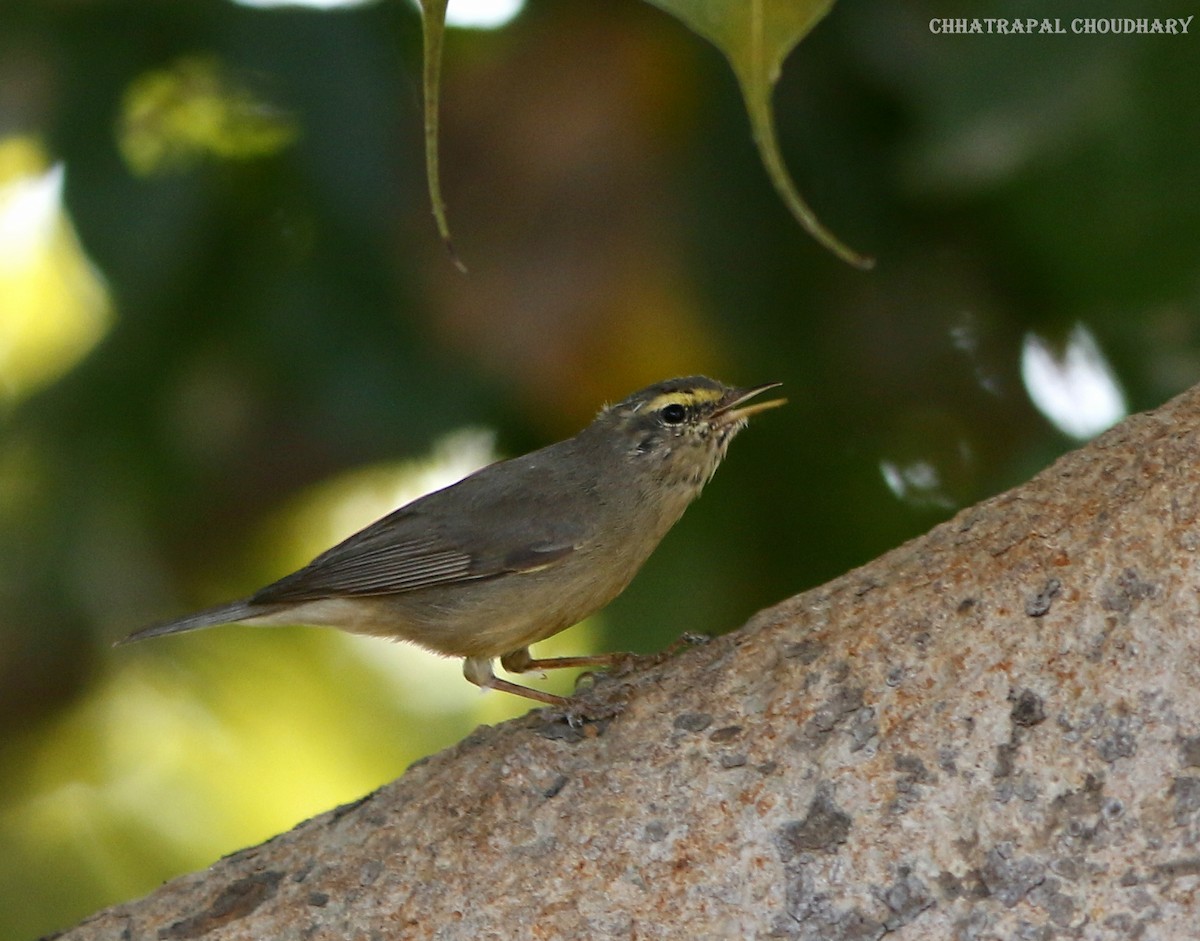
494	522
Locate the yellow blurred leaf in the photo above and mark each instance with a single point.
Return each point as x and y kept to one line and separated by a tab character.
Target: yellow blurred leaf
172	117
757	36
54	306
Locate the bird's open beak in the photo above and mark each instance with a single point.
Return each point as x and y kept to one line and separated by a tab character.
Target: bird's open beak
730	411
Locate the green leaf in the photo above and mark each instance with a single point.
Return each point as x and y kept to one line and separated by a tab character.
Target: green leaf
756	36
433	28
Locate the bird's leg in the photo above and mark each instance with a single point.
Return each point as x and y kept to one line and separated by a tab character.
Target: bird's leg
478	670
521	661
577	711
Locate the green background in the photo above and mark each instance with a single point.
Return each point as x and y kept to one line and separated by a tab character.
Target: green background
287	332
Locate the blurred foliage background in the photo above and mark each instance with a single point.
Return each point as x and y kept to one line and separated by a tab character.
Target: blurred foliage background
229	336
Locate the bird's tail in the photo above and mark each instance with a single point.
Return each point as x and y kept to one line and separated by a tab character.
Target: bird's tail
218	614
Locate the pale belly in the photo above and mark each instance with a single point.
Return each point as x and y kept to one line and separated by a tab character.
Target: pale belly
484	618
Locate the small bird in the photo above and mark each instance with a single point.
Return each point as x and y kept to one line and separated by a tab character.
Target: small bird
520	549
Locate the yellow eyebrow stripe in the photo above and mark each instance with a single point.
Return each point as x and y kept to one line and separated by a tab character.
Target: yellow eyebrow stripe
684	397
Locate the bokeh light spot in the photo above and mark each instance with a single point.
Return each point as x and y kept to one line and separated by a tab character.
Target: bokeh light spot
467	14
1075	388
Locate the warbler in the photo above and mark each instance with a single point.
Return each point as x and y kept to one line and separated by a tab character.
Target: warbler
521	549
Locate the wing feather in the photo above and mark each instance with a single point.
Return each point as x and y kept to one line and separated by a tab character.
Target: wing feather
481	527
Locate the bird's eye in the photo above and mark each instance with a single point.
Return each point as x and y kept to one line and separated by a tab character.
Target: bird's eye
674	413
